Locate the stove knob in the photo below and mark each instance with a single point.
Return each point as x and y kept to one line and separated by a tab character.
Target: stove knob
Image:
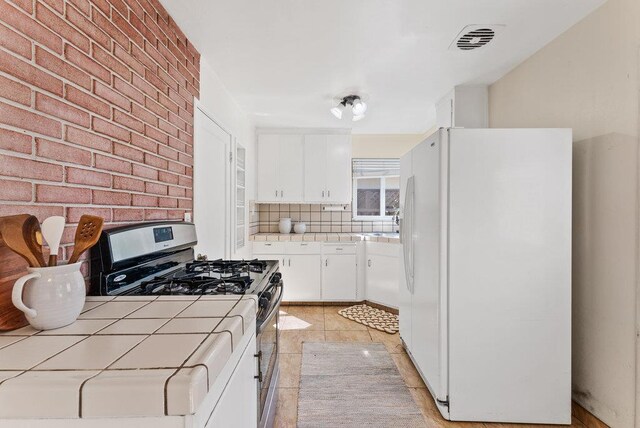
266	295
263	303
276	277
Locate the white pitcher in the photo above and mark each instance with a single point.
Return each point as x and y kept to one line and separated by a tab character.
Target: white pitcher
284	225
53	296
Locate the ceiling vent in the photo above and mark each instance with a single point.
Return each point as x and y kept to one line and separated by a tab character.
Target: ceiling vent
474	37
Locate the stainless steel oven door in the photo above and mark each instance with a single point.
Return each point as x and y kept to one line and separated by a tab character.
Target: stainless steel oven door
268	343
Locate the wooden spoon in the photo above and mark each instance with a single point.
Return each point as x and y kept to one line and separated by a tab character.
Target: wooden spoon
11	228
87	235
33	238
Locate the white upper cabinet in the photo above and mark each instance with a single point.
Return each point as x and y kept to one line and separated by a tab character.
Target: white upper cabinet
304	168
465	106
327	168
315	168
280	168
291	168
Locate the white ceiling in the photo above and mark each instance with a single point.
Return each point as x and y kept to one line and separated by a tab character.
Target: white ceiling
285	60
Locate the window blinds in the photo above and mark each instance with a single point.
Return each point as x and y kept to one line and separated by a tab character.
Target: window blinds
375	167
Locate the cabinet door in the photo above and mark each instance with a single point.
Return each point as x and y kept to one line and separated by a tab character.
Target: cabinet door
382	280
291	168
339	278
301	277
338	171
268	158
315	168
238	405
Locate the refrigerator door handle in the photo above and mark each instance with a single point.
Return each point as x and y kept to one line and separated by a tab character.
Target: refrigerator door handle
407	234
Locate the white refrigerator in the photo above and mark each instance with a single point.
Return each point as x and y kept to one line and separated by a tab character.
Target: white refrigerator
485	287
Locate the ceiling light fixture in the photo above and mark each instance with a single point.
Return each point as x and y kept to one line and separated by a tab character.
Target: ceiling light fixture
357	107
337	111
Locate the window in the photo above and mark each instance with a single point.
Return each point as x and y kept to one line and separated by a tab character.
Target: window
376	188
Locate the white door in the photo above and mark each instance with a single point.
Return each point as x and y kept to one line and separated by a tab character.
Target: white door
291	168
338	171
339	277
302	278
212	187
428	307
315	168
268	159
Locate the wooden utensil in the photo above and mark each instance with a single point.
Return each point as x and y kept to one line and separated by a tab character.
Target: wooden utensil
12	267
30	233
87	235
12	228
52	230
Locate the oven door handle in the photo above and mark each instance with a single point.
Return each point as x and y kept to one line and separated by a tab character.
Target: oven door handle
259	375
273	309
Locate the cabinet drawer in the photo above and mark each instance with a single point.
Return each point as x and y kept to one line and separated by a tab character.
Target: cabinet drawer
303	247
268	248
339	248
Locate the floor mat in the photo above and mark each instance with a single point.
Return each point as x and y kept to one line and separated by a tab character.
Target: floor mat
353	385
372	317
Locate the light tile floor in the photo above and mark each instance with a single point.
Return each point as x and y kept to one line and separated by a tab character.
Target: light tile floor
319	324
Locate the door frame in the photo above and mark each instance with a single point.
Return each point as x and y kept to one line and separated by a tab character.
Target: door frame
201	113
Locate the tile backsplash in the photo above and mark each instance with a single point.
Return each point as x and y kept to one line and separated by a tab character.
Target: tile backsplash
316	219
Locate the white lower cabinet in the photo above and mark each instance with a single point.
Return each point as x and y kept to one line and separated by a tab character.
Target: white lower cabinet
328	272
382	273
301	275
312	271
339	279
238	404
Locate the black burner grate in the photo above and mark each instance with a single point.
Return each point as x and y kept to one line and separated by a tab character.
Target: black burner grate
196	285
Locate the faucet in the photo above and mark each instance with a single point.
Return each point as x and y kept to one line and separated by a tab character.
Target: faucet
396	222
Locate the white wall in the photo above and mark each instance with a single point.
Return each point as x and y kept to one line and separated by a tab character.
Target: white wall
385	145
587	79
219	104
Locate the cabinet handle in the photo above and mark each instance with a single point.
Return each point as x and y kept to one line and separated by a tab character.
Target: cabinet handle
326	262
281	193
323	193
259	357
276	193
289	262
328	193
267	245
369	262
338	249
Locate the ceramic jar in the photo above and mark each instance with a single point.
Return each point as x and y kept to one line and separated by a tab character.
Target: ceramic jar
300	228
50	297
285	225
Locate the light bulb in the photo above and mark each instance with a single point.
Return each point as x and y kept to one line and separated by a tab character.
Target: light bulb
359	107
337	111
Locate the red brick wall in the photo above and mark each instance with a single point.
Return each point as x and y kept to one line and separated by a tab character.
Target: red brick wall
96	111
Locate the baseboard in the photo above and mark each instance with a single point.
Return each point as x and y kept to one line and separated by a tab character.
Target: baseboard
586	417
366	302
383	307
320	303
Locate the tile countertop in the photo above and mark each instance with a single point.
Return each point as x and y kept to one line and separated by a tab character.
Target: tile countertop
124	356
325	237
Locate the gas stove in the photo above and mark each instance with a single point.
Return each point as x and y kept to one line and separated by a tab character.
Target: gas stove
208	277
158	259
